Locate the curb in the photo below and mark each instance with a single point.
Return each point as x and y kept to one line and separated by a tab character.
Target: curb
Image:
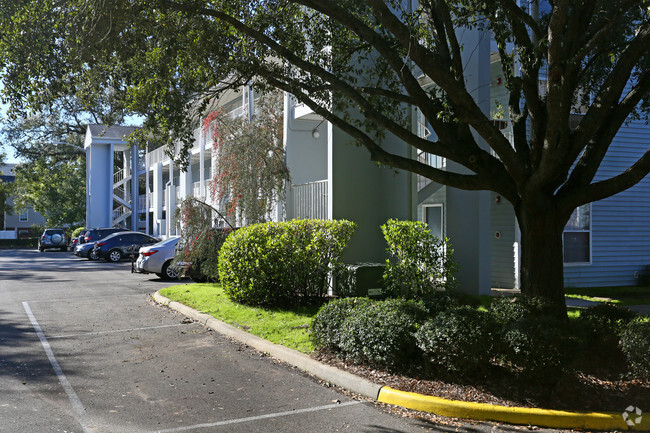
436	405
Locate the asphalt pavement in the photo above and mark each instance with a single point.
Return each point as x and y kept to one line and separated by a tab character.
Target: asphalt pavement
84	349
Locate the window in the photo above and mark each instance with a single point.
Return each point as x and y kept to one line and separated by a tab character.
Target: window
576	238
24	216
432	215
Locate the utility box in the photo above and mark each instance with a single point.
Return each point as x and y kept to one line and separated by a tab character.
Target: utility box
361	279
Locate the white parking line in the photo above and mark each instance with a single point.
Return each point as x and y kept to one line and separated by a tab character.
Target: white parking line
114	331
87	298
79	410
255	418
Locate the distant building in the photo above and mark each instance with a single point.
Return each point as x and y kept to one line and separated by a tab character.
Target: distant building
16	225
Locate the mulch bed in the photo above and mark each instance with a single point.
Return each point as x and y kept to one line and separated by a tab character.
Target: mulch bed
577	392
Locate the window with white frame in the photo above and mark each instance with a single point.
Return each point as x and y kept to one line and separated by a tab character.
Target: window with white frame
576	238
24	216
432	215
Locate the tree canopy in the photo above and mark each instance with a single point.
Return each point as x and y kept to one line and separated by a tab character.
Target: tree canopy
169	59
54	188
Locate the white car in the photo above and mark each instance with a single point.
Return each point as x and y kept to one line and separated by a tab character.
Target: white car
157	258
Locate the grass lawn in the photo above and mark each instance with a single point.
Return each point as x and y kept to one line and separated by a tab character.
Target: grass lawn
289	328
622	296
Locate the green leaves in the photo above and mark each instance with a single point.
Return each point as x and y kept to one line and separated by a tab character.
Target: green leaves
420	263
56	189
250	171
275	264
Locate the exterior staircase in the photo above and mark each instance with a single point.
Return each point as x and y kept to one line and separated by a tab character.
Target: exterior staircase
122	202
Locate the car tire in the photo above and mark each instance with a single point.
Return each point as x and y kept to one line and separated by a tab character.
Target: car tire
168	272
41	249
114	255
92	256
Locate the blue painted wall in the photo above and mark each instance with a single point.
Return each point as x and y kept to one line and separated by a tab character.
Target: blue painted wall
620	225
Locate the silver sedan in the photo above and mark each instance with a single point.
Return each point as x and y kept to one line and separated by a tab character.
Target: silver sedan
157	258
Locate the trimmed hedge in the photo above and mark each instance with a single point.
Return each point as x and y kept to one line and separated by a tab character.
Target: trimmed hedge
635	344
458	340
374	332
19	243
327	327
282	263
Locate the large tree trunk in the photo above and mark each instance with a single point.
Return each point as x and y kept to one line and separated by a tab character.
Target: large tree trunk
542	267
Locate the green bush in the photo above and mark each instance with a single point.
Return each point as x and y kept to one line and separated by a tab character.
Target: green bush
507	310
607	317
635	344
18	243
327	327
76	232
274	264
543	347
420	263
458	340
382	333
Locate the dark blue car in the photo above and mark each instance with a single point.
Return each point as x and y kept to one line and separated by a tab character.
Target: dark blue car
120	245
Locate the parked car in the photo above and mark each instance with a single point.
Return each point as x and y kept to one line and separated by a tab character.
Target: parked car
93	235
85	249
120	245
78	240
157	258
53	238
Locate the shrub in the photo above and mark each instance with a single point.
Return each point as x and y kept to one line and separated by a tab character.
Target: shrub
76	232
200	241
421	263
382	333
541	346
283	263
437	302
605	317
509	310
458	340
635	344
327	327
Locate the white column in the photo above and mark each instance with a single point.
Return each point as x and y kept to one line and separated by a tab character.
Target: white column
156	197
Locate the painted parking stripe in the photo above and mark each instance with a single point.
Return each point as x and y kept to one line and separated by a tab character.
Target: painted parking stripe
259	417
116	331
86	298
79	411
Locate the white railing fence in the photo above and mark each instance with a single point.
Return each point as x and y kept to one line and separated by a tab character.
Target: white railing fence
310	200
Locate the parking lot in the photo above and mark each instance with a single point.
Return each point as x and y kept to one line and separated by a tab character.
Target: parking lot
83	349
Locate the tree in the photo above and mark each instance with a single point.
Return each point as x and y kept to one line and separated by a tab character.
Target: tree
367	57
56	189
251	173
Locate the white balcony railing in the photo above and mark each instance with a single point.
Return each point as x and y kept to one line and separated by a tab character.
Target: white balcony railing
310	200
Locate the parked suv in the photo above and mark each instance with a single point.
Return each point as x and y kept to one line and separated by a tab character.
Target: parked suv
117	246
53	238
91	236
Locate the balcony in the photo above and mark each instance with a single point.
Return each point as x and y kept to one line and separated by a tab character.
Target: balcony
310	200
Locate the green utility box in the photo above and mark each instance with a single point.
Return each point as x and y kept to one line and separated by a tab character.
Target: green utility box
361	279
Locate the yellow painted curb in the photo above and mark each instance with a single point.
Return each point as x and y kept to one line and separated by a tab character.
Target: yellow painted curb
511	415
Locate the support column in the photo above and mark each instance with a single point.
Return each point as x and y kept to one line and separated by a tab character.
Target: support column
468	224
157	198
